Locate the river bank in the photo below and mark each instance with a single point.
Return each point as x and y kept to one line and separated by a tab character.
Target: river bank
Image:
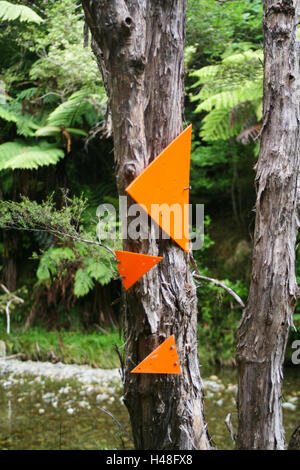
93	348
60	371
66	406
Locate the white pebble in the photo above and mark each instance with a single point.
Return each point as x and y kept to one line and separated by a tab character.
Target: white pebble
101	397
289	406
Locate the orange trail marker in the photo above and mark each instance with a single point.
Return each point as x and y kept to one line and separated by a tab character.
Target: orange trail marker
163	360
166	181
132	266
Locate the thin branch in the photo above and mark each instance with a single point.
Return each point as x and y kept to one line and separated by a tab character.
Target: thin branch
117	422
64	235
215	282
230	426
10	293
13	356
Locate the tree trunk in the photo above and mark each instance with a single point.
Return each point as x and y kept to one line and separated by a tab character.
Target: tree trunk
294	443
10	241
266	321
139	47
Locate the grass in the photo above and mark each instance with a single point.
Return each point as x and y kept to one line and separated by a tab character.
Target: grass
71	347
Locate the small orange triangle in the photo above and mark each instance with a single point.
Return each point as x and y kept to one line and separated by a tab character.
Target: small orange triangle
132	266
163	360
166	181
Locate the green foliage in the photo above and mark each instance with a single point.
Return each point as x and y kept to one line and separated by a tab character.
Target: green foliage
84	256
215	28
47	131
231	93
90	348
29	215
219	314
51	260
11	12
12	112
50	87
63	93
73	111
20	155
62	55
218	320
98	271
83	283
209	167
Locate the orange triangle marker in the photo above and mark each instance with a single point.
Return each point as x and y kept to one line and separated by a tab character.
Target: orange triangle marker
163	360
132	266
166	181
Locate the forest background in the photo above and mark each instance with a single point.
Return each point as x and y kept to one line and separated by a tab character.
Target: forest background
56	168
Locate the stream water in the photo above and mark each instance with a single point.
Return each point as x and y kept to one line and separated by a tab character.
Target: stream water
40	413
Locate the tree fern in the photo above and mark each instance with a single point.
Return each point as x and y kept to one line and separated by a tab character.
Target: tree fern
234	84
20	155
26	126
27	94
71	111
11	12
243	66
249	91
215	125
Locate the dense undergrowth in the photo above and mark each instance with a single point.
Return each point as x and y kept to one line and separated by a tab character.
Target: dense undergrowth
56	168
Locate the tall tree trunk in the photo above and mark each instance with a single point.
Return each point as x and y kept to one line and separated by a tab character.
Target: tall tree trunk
139	45
266	321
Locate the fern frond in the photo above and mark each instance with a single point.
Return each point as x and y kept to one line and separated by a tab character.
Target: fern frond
19	155
216	125
99	271
231	67
11	12
54	130
83	283
27	94
244	57
228	99
204	74
51	260
25	124
71	111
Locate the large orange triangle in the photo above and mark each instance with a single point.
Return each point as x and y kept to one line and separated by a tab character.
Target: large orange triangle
163	360
166	181
132	266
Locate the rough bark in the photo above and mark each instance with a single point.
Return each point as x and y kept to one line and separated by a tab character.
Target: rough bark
294	443
10	241
266	321
140	48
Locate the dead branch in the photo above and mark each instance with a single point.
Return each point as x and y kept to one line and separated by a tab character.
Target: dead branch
215	282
